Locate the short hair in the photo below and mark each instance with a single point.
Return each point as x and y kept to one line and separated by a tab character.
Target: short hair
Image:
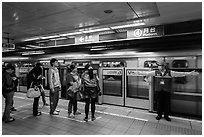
52	61
37	71
72	67
87	66
38	64
9	66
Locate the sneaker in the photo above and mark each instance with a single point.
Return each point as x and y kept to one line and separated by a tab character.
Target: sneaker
70	115
57	110
158	117
9	120
93	118
13	109
77	113
85	119
167	118
39	113
54	113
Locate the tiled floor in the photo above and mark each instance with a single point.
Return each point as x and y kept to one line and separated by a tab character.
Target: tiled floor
111	120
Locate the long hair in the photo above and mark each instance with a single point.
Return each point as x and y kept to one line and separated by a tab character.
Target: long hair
90	72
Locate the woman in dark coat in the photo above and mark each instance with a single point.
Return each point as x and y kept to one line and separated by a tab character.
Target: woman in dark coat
34	79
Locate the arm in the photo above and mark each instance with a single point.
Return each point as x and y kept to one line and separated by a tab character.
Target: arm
183	74
146	73
50	73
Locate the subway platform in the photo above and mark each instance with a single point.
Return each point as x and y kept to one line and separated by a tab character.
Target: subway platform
110	120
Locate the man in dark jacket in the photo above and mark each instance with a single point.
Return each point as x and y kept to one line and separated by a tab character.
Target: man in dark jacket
8	88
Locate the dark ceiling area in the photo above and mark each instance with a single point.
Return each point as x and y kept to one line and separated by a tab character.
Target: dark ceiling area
182	23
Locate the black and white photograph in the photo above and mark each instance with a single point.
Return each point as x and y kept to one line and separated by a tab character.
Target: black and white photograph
101	67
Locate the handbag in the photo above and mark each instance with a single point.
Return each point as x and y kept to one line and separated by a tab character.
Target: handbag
79	96
33	92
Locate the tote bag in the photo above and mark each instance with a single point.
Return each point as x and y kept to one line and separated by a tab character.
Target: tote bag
33	92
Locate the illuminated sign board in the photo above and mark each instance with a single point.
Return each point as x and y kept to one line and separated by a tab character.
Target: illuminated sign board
87	38
112	72
151	31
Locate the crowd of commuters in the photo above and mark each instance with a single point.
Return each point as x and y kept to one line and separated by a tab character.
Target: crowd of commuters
76	88
86	86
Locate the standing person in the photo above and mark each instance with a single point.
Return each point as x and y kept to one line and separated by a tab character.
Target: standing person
8	87
91	85
163	85
16	85
34	79
73	83
42	90
55	86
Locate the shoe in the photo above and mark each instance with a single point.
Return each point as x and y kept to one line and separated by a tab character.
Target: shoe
55	113
77	113
46	104
158	117
13	109
93	118
71	115
167	118
39	113
57	110
9	120
85	119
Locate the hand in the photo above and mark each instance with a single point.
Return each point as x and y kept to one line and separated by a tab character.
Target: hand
14	78
52	90
194	73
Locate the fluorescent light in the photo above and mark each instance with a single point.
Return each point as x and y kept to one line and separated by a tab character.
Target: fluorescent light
42	41
127	26
33	53
48	37
30	39
73	33
96	30
99	49
59	38
33	46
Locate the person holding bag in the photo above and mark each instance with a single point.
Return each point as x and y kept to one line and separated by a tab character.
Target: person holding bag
34	81
73	83
91	91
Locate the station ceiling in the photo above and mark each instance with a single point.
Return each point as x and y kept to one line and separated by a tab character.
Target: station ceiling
21	20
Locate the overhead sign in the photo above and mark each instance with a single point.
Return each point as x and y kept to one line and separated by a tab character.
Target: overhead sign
151	31
88	38
112	72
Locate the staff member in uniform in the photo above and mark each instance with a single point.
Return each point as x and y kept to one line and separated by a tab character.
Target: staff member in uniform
55	86
163	87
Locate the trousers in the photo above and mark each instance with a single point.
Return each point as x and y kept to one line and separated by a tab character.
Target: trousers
54	98
72	103
93	107
8	104
163	103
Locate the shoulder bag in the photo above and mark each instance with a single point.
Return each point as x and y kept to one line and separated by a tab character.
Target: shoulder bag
33	92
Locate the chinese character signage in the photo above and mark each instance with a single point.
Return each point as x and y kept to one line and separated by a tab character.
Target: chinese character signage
151	31
87	38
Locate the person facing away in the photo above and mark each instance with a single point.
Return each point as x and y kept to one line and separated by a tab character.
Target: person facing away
8	88
73	83
55	86
42	90
90	83
163	87
34	80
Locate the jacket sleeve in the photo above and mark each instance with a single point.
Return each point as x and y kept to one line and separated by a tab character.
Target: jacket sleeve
50	75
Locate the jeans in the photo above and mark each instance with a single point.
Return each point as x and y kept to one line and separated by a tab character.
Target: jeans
54	98
93	107
8	104
72	103
35	106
